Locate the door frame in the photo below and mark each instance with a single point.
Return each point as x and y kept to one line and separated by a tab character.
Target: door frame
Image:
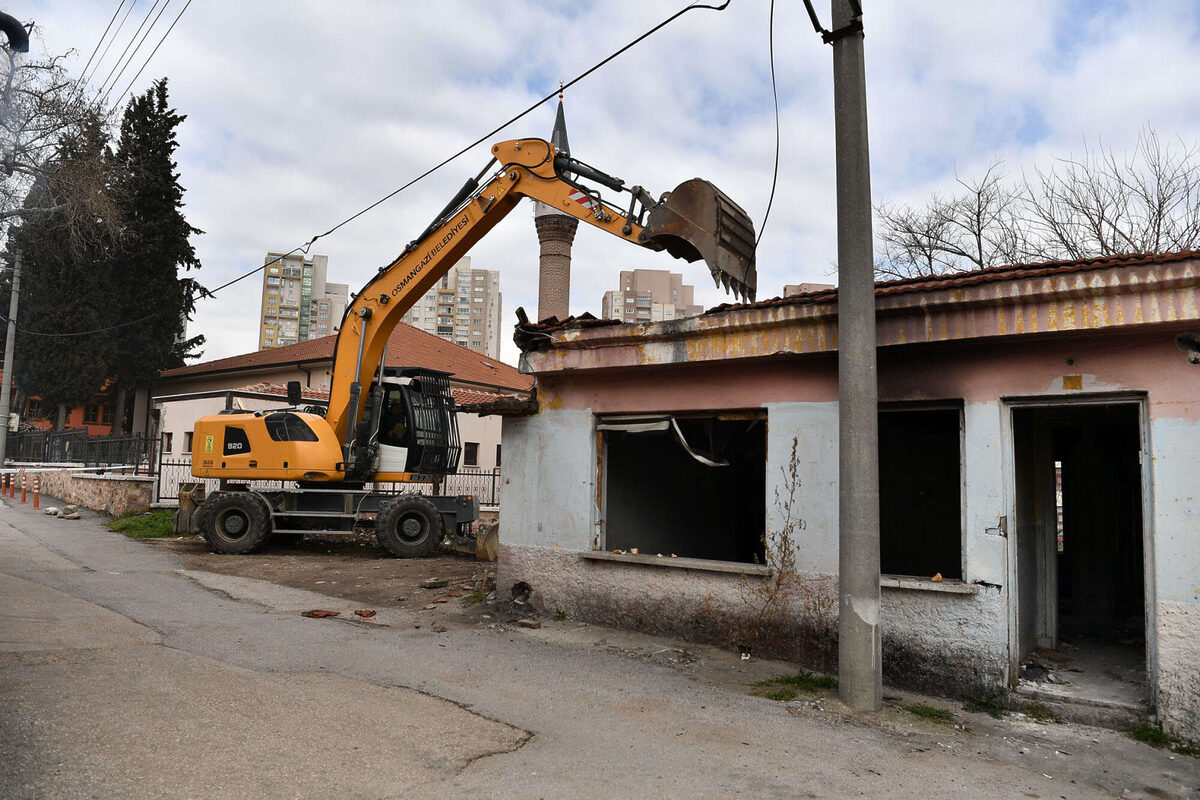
1140	399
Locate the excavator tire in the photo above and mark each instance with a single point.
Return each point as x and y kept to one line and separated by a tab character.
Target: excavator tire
236	523
409	526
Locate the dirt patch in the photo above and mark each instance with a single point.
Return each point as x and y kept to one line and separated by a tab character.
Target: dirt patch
354	569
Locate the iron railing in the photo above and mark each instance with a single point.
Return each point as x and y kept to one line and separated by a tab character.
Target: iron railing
77	447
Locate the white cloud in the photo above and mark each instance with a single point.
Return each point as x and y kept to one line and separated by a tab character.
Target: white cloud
300	113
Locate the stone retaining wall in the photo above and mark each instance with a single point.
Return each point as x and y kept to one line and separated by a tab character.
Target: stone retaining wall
112	493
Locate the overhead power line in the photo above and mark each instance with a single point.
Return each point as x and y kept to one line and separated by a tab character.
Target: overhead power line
121	58
96	68
100	41
155	50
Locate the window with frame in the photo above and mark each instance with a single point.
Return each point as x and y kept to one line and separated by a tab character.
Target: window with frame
920	491
187	442
470	454
168	440
497	455
91	414
693	485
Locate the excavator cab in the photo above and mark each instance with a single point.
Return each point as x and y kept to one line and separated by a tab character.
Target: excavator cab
418	429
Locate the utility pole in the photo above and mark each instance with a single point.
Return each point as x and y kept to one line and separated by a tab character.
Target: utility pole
10	342
860	673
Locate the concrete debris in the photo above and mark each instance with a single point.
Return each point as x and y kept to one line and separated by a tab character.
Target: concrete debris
438	627
491	597
434	583
937	578
529	623
52	510
365	613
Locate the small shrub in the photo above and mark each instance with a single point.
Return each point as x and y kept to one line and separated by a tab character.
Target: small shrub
931	713
157	524
559	615
787	687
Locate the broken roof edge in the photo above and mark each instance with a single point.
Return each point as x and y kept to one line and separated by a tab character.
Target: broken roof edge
537	336
1112	293
519	404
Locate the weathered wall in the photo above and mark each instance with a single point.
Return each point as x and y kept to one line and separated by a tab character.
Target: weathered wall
114	494
1175	475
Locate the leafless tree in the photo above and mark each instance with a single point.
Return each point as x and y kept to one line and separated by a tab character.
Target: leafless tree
1095	205
41	107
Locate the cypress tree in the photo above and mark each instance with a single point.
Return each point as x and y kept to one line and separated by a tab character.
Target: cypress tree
151	302
66	254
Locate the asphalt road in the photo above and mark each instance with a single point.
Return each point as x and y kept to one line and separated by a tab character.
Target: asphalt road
123	675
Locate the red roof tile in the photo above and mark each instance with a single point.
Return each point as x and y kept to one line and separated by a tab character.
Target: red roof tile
407	347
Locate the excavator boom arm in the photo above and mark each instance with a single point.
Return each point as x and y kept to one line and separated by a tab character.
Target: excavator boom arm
704	224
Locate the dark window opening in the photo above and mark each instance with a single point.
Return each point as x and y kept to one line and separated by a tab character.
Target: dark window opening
664	497
497	455
920	493
470	454
286	427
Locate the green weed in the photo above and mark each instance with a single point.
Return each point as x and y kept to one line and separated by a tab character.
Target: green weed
1039	712
559	615
931	713
787	687
994	705
157	524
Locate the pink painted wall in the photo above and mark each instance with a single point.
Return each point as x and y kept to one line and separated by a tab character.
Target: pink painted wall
977	371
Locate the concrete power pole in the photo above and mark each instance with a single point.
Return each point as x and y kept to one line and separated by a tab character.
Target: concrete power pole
10	342
859	650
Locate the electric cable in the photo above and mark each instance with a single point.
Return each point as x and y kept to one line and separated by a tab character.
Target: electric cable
490	133
100	41
121	58
204	293
774	94
152	52
108	46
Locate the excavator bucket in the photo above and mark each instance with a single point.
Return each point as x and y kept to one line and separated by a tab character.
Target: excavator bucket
698	220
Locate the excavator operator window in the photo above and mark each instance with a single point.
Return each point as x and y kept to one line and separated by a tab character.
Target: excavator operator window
286	427
394	422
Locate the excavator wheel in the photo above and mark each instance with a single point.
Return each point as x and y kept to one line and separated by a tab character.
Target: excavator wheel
236	523
409	526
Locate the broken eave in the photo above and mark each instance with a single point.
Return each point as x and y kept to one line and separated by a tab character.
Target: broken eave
1100	294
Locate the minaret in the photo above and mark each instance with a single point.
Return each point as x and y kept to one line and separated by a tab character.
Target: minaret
556	232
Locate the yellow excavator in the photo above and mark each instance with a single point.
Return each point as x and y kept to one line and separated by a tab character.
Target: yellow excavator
389	425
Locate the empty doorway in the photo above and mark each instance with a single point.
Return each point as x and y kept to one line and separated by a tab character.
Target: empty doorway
1080	574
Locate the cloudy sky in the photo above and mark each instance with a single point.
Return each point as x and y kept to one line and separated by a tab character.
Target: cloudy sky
300	113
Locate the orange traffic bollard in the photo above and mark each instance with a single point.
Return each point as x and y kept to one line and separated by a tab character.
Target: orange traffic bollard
22	486
36	485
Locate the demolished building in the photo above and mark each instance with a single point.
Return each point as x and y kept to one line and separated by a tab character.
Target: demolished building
1039	465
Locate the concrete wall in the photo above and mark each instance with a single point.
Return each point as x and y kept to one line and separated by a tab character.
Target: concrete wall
112	493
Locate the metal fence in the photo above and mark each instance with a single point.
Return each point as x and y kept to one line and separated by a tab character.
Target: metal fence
77	447
484	484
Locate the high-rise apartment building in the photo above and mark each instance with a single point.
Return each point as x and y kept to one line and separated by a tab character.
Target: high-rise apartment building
297	303
464	308
650	295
